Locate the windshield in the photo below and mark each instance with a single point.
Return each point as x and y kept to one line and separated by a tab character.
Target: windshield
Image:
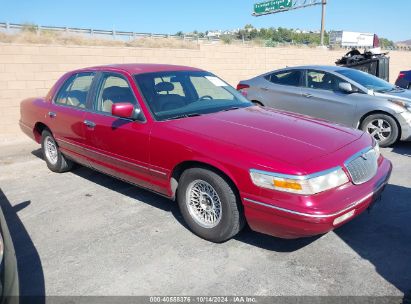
367	80
178	94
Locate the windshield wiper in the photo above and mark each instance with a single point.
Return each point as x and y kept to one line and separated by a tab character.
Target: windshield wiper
183	116
396	88
232	108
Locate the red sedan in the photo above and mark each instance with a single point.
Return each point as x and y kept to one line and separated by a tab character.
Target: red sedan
186	134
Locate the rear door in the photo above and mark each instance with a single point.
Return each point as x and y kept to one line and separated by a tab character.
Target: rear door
282	90
67	111
115	145
323	98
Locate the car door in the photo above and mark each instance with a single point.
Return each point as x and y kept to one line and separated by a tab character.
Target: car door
66	114
117	146
282	90
324	99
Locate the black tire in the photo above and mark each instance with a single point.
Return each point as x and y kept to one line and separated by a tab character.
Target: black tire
387	140
232	219
61	164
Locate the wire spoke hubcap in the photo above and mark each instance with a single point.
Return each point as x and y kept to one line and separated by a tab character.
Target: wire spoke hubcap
50	150
380	129
203	204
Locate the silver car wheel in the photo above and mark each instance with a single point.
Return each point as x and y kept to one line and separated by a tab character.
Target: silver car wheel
380	129
50	150
203	204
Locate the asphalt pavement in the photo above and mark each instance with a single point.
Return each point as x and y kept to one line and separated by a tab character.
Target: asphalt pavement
84	233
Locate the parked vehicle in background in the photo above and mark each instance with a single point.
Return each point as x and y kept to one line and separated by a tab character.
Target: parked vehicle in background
186	134
404	80
353	39
342	95
372	61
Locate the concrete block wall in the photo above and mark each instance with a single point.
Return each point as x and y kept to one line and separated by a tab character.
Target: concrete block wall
30	70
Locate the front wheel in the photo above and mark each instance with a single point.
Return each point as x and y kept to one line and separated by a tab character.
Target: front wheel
55	160
382	128
209	205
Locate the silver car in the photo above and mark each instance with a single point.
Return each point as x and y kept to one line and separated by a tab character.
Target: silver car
342	95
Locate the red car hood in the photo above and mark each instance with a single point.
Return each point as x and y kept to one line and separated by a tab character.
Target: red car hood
288	137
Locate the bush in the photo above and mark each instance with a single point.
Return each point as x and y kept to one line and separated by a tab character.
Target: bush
271	43
226	39
29	28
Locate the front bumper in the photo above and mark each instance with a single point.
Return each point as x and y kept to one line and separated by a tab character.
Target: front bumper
404	120
263	215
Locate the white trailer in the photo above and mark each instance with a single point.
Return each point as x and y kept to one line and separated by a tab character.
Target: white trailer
352	39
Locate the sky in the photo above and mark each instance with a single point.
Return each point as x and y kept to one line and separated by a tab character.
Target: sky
389	19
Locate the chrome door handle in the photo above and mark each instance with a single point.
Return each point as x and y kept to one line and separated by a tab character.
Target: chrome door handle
307	95
89	124
264	89
52	114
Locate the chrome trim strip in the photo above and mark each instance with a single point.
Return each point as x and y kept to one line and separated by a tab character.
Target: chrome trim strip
358	154
159	172
297	177
356	203
112	157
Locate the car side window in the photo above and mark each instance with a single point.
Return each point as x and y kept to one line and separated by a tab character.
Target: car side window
289	78
113	89
75	90
322	81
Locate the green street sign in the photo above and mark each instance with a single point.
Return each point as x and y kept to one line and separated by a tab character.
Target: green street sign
271	6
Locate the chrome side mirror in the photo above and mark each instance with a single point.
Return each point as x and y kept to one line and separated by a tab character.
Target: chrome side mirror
138	114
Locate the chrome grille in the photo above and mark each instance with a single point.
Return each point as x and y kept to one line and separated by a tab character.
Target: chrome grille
363	166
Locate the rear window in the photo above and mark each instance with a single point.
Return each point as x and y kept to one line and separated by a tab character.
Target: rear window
74	91
290	78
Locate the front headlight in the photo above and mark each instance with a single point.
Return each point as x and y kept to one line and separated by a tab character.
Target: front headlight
305	185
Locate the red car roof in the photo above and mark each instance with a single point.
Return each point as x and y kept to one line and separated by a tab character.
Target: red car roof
138	68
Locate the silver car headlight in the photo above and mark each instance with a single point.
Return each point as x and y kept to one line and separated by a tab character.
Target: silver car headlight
401	103
304	185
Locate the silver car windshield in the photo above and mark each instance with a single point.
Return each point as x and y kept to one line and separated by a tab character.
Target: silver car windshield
366	80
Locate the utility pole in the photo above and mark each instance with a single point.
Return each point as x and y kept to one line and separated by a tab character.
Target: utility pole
324	2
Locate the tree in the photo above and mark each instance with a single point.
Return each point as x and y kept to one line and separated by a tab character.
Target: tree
386	43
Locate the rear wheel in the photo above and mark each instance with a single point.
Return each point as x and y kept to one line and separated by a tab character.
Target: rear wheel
209	205
55	160
383	128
